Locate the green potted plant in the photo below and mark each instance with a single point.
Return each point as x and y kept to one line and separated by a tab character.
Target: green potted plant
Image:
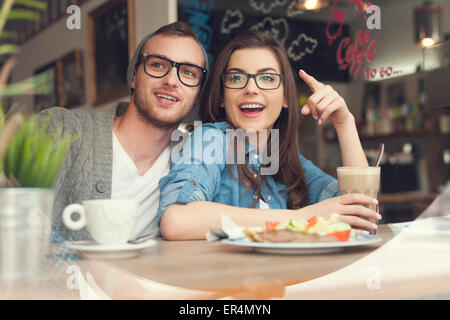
31	155
30	158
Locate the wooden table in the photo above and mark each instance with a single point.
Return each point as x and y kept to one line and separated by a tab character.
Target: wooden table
185	270
230	270
409	266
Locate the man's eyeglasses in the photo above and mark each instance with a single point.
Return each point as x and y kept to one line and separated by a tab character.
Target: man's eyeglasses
158	66
239	80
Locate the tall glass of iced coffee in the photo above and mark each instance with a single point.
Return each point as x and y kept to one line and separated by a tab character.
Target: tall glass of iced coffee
365	180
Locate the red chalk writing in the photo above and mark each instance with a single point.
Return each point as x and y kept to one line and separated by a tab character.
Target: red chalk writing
350	55
356	53
338	16
371	73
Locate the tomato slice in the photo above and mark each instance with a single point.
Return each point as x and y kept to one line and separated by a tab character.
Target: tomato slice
311	222
341	235
270	225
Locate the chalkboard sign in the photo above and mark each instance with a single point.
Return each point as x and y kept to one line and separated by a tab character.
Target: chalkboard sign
110	35
216	22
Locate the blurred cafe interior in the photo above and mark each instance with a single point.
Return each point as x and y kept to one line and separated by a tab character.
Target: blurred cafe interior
389	60
390	65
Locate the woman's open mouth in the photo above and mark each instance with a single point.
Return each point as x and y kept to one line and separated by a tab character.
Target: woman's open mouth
251	110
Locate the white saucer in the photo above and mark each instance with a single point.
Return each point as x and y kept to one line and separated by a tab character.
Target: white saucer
110	251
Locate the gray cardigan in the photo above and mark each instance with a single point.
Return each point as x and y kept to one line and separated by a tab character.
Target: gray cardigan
86	172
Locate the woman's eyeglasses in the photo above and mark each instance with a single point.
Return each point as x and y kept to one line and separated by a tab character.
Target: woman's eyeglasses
264	81
158	66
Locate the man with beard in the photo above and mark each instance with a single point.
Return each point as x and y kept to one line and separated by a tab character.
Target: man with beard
123	153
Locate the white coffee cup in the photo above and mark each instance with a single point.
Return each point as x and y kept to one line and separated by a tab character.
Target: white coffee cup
109	221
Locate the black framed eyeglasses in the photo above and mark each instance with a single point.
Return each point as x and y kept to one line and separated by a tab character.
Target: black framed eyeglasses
157	66
264	81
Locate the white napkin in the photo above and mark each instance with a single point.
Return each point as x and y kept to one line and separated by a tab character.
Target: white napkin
229	230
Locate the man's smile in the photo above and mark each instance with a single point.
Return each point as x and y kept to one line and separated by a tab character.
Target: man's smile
166	98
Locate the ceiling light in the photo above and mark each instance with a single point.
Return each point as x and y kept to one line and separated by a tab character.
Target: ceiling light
426	42
427	24
312	4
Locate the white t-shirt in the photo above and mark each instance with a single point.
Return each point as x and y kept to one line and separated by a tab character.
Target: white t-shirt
127	183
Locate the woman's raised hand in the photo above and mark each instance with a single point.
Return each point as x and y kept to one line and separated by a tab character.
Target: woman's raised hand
324	103
349	207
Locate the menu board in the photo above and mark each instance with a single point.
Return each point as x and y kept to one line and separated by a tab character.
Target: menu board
306	42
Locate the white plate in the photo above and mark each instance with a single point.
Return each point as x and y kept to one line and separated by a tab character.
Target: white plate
110	251
303	248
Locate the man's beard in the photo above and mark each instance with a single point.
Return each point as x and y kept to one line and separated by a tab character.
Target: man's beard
145	115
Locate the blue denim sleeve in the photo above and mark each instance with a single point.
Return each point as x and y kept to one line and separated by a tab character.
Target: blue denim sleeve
320	185
195	172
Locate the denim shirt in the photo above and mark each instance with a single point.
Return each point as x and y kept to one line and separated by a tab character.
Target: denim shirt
200	173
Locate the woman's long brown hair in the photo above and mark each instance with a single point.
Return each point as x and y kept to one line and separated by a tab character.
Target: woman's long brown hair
290	172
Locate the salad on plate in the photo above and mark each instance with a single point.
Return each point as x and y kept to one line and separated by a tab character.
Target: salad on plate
316	229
